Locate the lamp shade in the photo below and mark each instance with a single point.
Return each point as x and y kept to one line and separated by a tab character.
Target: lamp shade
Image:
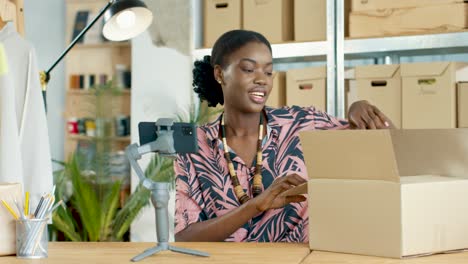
126	19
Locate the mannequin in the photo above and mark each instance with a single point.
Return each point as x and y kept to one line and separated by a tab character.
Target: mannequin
22	98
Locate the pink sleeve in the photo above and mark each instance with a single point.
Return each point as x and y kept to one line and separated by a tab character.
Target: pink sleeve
321	120
187	208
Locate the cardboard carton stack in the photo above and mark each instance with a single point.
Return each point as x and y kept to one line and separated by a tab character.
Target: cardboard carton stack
379	18
415	95
278	20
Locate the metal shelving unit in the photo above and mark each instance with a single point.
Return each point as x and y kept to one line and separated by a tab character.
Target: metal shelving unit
337	49
292	51
446	43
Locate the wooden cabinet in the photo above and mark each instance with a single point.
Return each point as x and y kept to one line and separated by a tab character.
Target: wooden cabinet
90	65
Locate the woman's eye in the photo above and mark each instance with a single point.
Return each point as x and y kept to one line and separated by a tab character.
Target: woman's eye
269	73
248	70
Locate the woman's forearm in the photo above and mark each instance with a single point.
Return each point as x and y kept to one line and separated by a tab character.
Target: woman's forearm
219	228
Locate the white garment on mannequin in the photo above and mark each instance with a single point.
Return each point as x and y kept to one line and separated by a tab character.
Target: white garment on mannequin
11	168
30	114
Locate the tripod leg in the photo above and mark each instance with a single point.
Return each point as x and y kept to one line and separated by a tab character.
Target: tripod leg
147	253
189	251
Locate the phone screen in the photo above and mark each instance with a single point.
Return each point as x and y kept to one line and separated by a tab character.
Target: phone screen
185	136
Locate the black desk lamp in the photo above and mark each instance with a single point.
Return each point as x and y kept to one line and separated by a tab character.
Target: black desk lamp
123	20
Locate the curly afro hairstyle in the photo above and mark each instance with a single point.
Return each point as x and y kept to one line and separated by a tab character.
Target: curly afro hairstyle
204	83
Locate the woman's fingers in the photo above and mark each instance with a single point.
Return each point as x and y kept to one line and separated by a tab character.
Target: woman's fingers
356	123
386	121
369	122
294	199
378	122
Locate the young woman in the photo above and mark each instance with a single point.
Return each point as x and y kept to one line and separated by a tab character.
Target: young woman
231	190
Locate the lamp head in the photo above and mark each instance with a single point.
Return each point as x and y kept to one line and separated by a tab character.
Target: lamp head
126	19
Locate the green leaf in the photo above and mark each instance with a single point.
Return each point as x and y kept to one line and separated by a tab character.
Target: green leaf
109	208
84	199
65	223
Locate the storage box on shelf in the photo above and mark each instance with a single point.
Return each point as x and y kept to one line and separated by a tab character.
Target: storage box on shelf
277	97
219	17
463	104
307	87
272	18
310	20
380	85
429	94
366	5
423	19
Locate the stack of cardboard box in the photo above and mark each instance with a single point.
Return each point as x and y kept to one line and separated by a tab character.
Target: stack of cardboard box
272	18
279	20
415	95
378	18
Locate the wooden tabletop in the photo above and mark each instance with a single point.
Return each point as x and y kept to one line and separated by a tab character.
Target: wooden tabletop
121	252
336	258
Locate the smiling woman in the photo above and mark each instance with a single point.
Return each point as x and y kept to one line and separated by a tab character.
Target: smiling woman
232	189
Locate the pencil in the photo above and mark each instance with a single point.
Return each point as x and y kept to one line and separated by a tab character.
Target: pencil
39	206
10	210
26	204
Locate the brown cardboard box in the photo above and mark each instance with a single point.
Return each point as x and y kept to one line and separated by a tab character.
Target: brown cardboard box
381	192
429	93
463	104
271	18
366	5
307	87
8	192
310	19
404	21
220	16
277	97
381	86
350	89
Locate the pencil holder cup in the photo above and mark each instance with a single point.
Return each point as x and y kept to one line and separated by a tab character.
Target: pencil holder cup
31	238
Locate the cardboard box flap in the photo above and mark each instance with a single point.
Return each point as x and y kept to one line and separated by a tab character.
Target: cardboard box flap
424	69
431	151
307	74
376	71
349	154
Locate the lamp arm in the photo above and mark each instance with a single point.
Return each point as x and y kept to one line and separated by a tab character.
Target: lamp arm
75	40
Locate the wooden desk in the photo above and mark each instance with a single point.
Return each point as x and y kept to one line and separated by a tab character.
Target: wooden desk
242	253
336	258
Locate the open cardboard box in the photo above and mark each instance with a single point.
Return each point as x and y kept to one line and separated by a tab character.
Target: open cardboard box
390	193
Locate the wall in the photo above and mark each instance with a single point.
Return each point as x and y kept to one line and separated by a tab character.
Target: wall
161	88
45	29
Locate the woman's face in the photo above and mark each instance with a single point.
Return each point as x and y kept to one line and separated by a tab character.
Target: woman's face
247	79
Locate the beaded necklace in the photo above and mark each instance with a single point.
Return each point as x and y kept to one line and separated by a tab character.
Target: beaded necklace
257	180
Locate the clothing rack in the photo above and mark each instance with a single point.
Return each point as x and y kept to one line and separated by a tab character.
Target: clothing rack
13	10
19	16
